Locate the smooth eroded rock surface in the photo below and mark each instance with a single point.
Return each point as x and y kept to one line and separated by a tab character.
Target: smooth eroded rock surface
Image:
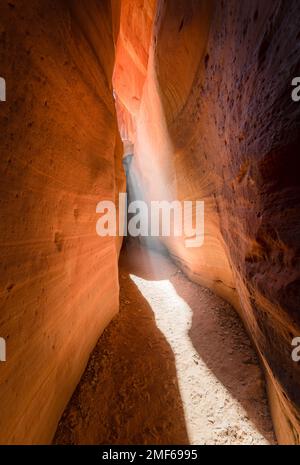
214	121
203	94
60	155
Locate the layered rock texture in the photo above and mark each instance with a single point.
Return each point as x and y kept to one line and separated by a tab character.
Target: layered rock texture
203	93
60	155
205	97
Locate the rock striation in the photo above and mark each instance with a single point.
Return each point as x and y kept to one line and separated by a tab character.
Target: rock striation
60	155
211	118
203	98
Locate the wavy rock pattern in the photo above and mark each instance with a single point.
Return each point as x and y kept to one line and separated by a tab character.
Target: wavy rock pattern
60	155
214	121
202	90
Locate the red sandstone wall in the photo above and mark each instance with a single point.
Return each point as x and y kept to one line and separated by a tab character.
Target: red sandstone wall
213	120
205	97
60	156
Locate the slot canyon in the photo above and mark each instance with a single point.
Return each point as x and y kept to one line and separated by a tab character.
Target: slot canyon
143	340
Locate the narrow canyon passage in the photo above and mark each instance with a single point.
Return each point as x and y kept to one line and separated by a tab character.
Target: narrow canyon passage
175	366
179	104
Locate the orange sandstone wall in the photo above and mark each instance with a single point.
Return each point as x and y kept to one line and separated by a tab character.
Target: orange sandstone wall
212	119
60	155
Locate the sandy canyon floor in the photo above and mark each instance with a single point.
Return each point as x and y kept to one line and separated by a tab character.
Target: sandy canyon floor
175	366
